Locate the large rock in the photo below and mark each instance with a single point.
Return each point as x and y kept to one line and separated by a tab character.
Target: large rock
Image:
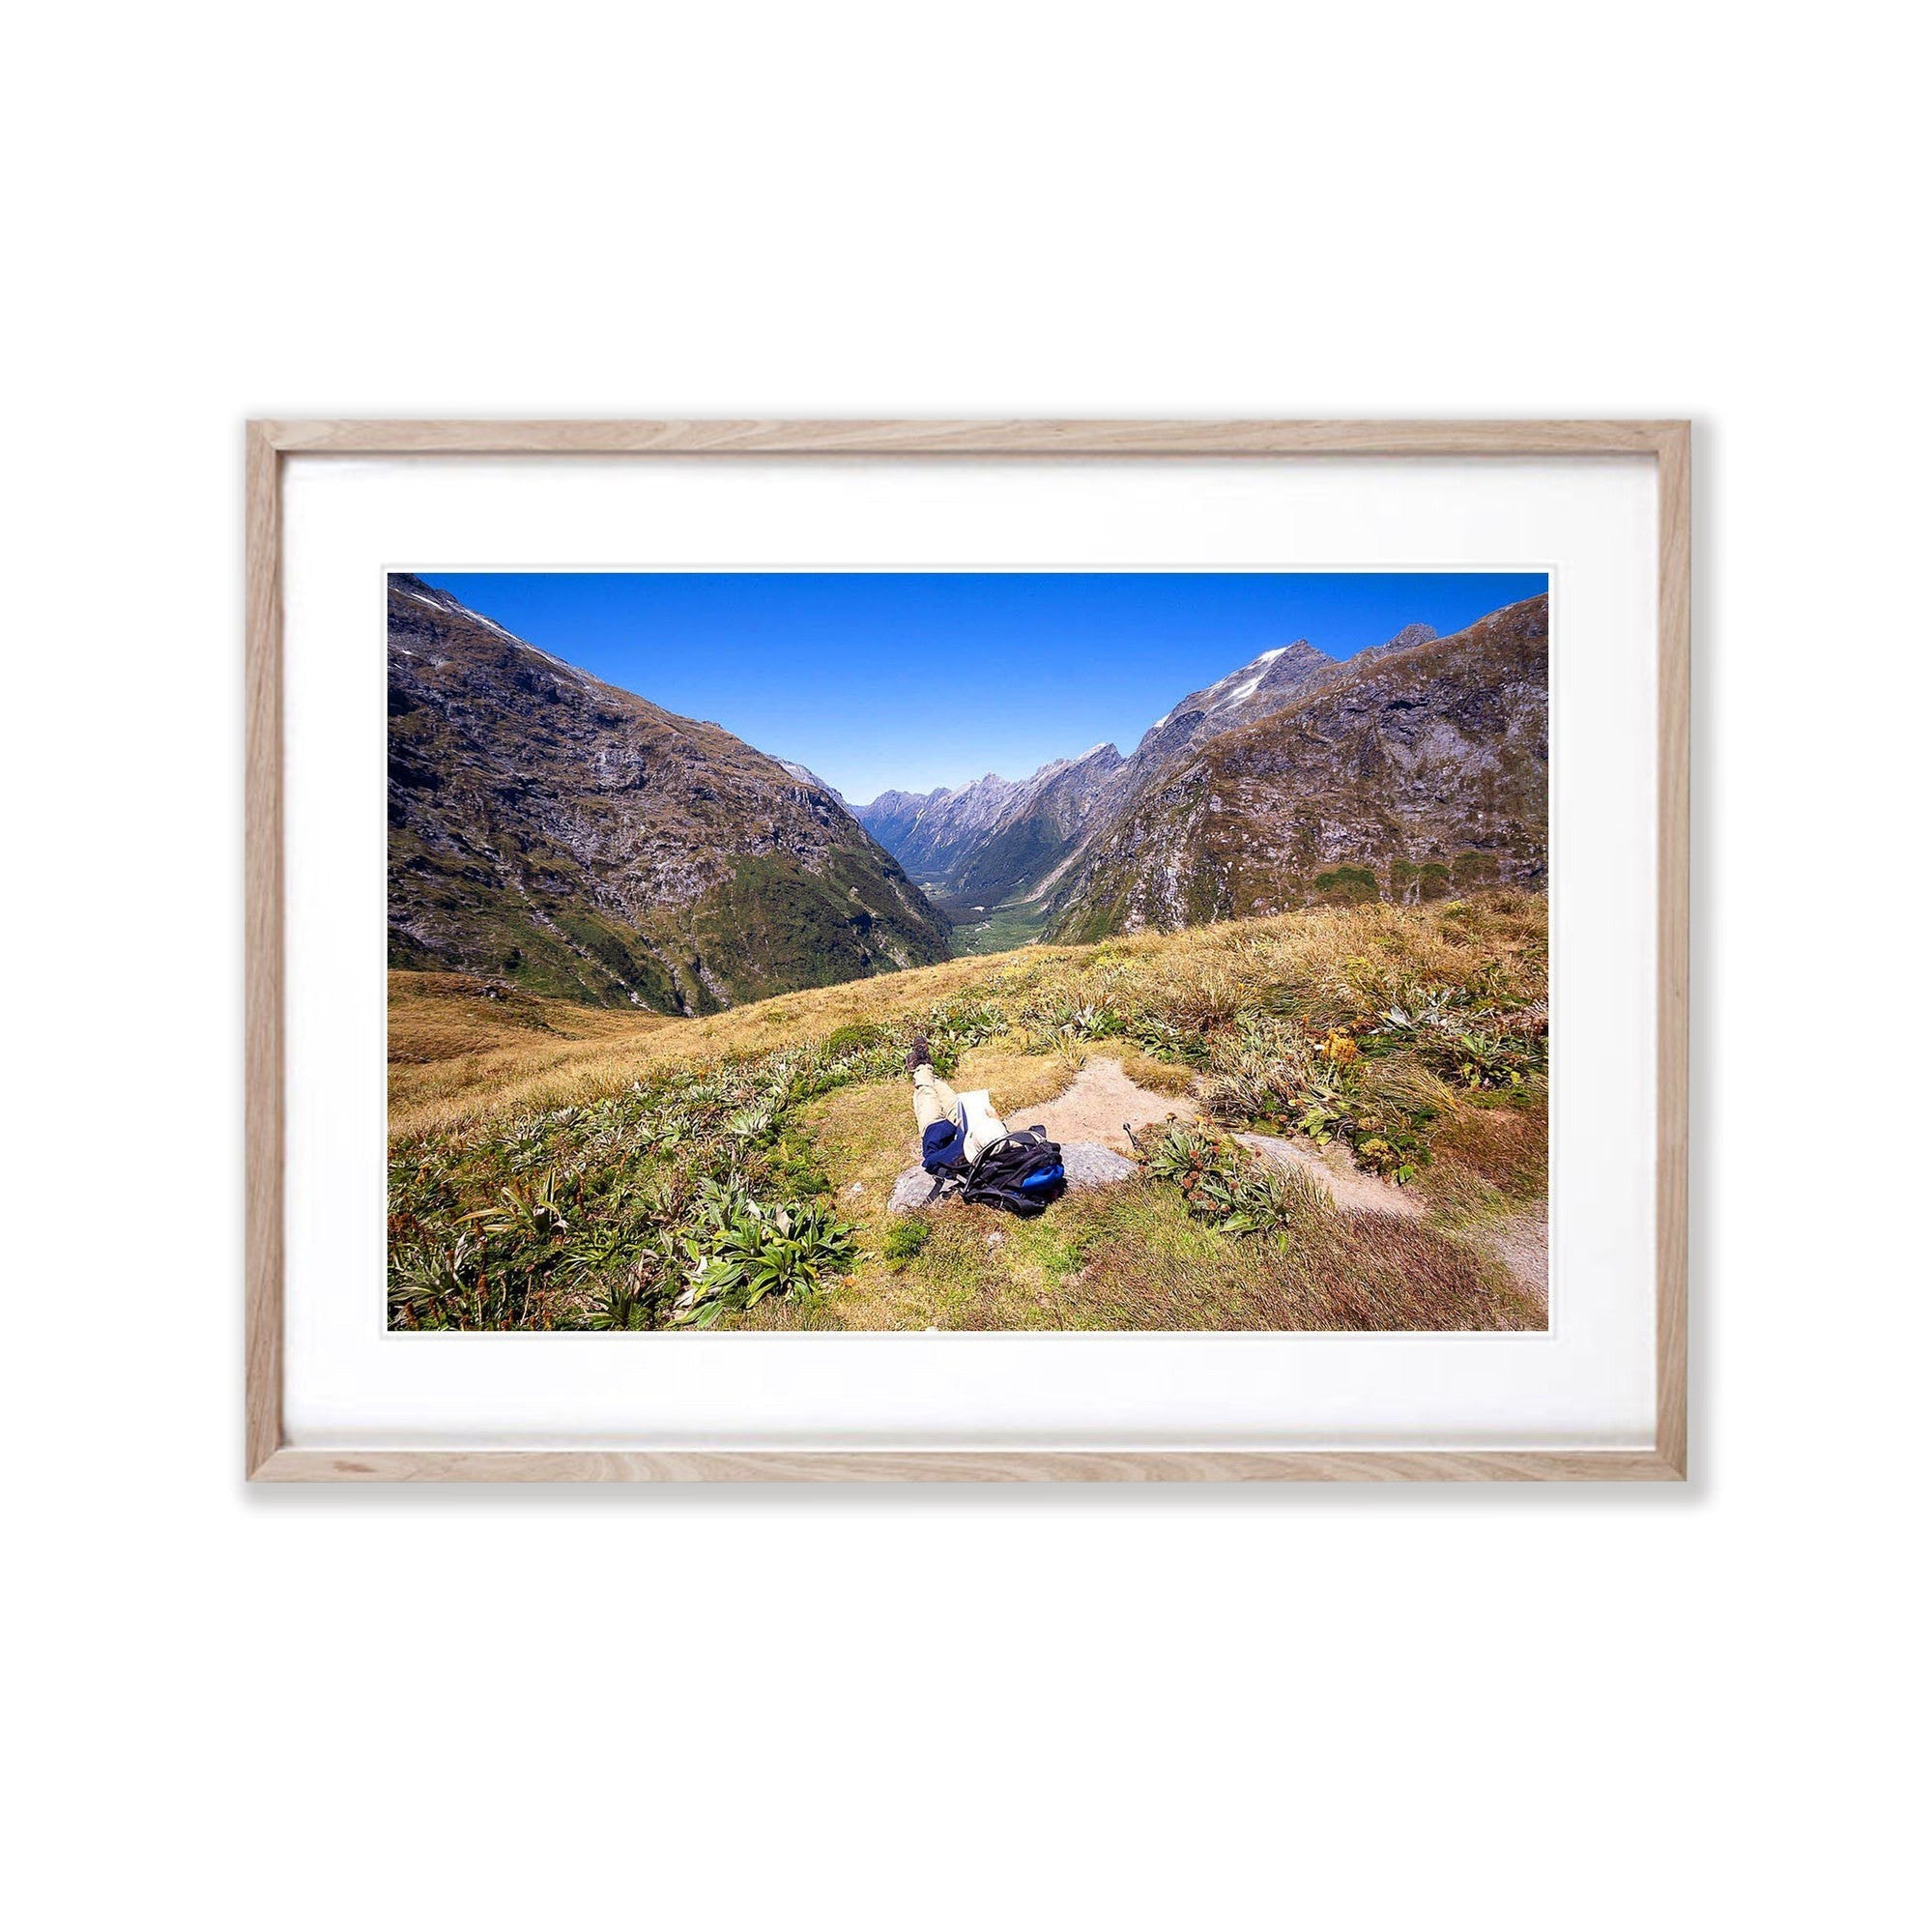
1087	1163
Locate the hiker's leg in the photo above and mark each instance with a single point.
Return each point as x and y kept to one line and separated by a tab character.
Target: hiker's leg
932	1098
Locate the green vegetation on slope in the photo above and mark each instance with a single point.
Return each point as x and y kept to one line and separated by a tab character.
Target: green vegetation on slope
1013	858
773	926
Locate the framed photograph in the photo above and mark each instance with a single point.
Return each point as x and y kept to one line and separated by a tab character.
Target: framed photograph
967	951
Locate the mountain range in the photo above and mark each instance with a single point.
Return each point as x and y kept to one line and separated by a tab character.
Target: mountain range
1410	770
1413	755
583	841
554	829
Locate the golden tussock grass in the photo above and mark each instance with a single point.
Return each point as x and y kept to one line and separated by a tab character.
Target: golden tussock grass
457	1055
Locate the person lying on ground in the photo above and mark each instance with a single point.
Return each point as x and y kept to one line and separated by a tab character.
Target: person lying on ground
954	1128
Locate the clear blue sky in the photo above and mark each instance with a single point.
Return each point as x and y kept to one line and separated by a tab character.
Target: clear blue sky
887	680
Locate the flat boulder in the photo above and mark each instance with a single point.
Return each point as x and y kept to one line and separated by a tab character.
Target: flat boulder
1087	1163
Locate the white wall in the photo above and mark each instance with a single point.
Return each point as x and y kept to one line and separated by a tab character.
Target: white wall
1389	1707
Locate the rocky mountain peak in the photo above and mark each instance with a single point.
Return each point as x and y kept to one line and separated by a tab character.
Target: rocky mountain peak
1263	684
1410	634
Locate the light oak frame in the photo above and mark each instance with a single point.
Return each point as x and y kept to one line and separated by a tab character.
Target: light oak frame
269	1459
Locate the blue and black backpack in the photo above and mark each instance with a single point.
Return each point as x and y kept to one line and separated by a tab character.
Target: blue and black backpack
1020	1173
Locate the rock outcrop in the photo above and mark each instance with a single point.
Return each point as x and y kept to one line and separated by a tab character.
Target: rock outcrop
1087	1163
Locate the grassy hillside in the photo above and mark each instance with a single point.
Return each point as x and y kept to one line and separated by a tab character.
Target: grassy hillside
557	1166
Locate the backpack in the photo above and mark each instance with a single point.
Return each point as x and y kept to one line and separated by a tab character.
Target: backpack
1020	1173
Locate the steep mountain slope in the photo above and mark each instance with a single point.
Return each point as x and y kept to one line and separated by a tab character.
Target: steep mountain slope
1052	809
807	776
932	833
587	844
994	838
1258	689
1415	765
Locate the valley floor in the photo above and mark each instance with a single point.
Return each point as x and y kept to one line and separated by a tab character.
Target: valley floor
563	1166
980	930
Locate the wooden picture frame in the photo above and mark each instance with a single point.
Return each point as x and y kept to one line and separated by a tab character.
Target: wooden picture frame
269	1458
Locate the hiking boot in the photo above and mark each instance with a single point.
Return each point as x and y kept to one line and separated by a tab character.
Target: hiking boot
921	1054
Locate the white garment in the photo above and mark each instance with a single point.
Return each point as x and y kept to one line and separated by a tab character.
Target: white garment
983	1125
934	1100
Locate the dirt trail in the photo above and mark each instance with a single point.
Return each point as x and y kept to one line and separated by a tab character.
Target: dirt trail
1346	1182
1102	1097
1093	1107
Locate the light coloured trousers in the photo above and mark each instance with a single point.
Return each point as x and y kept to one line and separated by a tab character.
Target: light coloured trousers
934	1100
